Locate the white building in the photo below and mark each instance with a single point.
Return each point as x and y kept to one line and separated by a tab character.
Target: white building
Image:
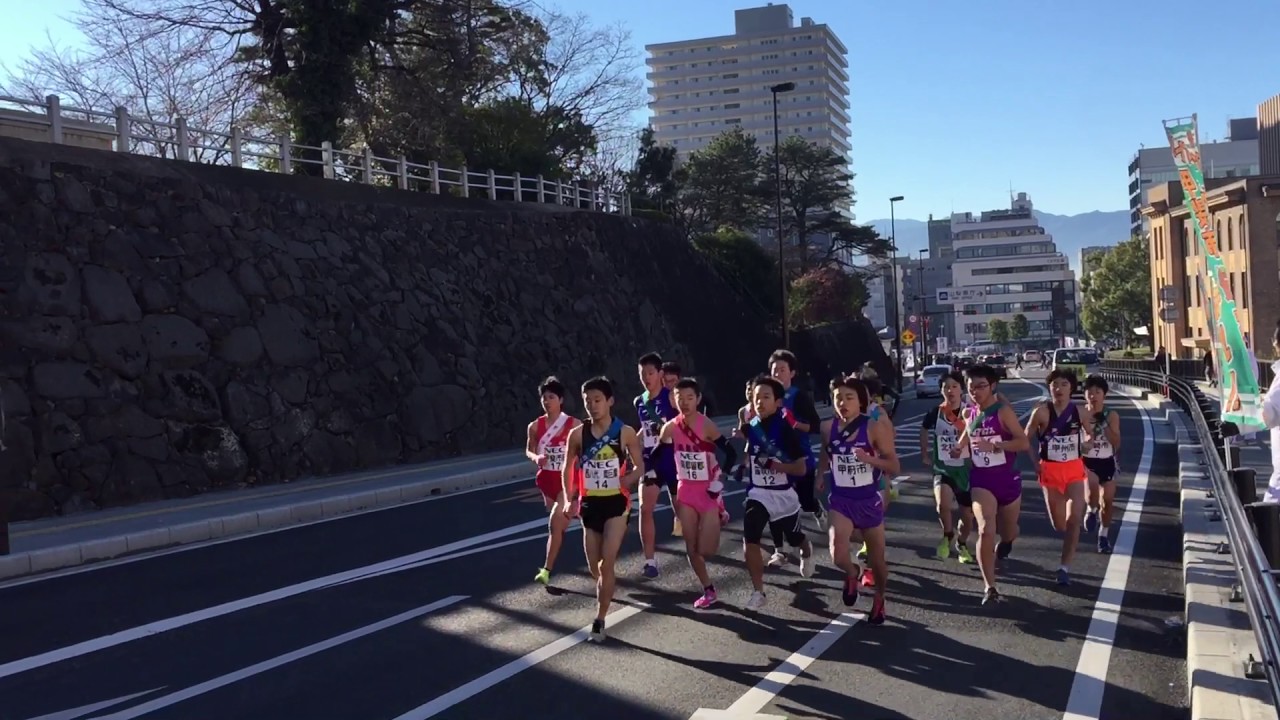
1237	156
701	88
1008	255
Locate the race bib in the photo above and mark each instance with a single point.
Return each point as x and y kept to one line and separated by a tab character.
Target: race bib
1101	448
649	433
850	472
764	477
555	458
693	466
1063	449
946	443
602	474
988	459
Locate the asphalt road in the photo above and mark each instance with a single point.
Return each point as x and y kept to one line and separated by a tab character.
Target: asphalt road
428	610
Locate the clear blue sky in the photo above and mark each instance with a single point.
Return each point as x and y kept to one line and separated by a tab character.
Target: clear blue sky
952	101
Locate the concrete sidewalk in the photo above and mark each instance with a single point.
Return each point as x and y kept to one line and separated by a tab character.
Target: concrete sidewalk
60	542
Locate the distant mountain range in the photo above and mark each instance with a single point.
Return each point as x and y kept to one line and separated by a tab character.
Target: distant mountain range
1070	232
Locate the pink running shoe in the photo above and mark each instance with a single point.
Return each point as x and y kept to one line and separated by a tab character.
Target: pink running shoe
707	600
868	578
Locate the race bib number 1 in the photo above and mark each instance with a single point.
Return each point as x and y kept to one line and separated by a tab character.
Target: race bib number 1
850	472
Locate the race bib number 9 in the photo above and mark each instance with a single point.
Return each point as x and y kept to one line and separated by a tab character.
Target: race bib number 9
555	458
988	459
693	466
850	472
602	474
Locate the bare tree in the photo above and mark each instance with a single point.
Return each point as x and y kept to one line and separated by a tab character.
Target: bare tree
589	71
158	71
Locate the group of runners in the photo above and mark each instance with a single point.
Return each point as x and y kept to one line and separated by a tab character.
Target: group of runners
590	470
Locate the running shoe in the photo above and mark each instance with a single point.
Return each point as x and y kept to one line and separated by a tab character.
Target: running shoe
1104	545
876	616
966	557
944	549
778	559
707	600
1064	577
1091	521
650	571
1004	549
862	554
597	631
991	596
820	520
850	595
543	576
893	491
756	601
806	564
868	578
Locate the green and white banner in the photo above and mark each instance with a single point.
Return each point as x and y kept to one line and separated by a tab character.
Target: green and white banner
1236	370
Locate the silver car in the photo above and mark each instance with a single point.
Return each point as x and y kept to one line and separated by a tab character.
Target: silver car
929	382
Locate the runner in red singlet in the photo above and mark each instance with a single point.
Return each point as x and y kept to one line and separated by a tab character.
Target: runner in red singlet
545	447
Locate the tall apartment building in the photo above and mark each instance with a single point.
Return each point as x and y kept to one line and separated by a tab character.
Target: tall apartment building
701	88
1237	156
1245	214
1008	255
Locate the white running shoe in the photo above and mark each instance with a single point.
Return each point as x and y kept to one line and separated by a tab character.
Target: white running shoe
778	559
756	601
806	565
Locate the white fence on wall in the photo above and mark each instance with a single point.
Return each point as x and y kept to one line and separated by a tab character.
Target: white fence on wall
119	131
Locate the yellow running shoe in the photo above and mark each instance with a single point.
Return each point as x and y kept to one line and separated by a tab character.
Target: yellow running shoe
965	556
944	549
543	576
862	554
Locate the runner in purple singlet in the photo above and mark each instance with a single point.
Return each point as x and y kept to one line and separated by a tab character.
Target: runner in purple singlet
855	453
994	437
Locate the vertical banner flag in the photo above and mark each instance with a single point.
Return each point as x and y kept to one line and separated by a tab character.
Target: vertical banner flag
1236	371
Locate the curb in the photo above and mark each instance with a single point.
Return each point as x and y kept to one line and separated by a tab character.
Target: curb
354	502
1219	636
358	501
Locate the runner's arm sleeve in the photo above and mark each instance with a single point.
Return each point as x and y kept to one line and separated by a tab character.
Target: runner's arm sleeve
730	455
807	411
930	420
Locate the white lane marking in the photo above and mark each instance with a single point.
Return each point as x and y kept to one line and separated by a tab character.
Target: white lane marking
709	714
172	623
755	699
275	662
439	554
83	710
1090	683
236	538
515	667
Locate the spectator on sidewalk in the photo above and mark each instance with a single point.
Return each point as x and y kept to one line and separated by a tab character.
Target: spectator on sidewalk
1271	418
1209	377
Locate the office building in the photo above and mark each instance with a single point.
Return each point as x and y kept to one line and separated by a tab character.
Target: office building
1008	256
1269	136
881	298
1245	213
703	87
922	276
939	237
1237	156
1086	253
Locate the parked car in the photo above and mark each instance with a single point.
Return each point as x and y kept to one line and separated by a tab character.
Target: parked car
929	382
963	361
1032	356
997	363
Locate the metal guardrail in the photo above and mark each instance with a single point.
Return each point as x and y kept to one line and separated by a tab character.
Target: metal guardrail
1252	527
176	140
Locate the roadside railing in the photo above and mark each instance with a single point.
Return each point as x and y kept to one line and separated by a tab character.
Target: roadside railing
1252	528
119	131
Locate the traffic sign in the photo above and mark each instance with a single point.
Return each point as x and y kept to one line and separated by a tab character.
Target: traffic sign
908	337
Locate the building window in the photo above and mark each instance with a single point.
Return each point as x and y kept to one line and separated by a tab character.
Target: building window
1244	289
1231	233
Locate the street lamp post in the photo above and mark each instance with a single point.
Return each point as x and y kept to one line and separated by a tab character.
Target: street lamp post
777	181
924	308
893	269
